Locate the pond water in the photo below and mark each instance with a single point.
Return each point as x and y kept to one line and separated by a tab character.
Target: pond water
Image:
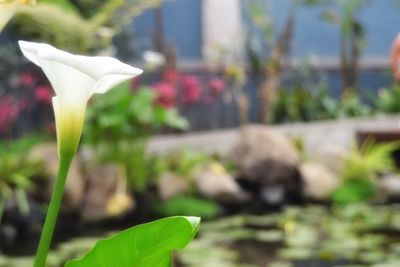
312	236
356	235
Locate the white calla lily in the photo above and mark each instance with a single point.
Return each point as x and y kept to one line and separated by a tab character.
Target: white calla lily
75	79
8	9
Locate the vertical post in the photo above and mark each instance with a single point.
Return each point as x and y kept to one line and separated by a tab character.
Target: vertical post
222	29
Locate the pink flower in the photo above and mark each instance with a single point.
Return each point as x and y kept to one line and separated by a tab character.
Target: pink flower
166	94
191	89
43	94
217	86
27	79
9	111
171	76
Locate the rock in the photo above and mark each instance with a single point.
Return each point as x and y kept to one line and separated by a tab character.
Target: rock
8	235
75	184
273	194
119	204
266	159
331	156
106	193
319	182
170	185
389	186
264	154
213	182
23	223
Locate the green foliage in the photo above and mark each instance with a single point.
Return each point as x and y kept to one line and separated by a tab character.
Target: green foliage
259	16
119	123
354	191
351	233
188	205
145	245
63	4
51	23
361	169
299	145
55	22
351	105
88	8
299	104
388	100
350	24
182	162
17	172
119	13
313	235
122	115
353	37
370	159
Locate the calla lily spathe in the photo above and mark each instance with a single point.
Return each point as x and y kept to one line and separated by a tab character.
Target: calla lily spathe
75	79
8	9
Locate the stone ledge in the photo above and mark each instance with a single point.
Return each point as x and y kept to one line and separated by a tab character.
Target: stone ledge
314	134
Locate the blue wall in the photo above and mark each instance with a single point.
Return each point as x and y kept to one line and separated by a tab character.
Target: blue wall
182	28
381	19
312	36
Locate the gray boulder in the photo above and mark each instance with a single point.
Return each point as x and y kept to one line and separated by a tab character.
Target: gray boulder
170	185
331	156
106	194
266	159
264	154
319	182
389	186
214	182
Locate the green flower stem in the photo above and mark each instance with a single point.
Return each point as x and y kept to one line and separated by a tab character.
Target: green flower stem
52	212
2	206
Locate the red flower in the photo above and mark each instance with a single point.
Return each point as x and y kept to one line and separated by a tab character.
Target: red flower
166	94
43	94
217	86
191	89
171	76
9	111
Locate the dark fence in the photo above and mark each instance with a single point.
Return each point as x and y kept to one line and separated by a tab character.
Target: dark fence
225	114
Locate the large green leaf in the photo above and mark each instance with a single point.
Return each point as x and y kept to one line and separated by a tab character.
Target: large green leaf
145	245
354	191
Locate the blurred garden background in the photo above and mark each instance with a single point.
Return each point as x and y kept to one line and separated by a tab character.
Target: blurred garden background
277	122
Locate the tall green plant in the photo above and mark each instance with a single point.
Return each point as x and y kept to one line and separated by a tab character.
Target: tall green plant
75	79
352	35
127	118
17	173
278	47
